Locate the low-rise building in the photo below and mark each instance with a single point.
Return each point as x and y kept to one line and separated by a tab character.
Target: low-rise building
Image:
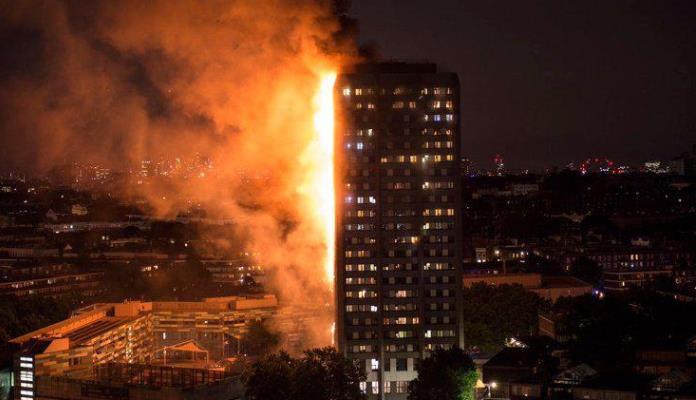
619	281
131	333
85	283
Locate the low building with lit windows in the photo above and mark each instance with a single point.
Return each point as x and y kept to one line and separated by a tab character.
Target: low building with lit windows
135	333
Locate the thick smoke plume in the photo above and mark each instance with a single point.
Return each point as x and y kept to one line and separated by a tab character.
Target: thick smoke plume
117	82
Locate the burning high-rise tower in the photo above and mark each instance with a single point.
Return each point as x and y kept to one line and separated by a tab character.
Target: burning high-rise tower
398	224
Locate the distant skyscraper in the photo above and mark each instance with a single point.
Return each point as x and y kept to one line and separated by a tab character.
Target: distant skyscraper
399	230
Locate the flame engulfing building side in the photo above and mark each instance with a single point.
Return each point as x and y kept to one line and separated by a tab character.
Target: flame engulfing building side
398	225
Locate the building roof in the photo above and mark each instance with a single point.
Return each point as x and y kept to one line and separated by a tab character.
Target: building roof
512	357
577	373
95	329
622	381
562	282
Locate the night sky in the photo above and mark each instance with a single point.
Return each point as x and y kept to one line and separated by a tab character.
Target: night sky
551	82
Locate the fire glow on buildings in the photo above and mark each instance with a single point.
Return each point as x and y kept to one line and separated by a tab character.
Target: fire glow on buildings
324	177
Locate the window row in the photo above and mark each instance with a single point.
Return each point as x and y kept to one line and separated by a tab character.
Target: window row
397	307
438	185
438	212
438	144
414	158
438	117
365	132
391	267
360	200
397	91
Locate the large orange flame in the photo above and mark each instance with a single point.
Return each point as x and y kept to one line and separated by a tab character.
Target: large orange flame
318	160
324	126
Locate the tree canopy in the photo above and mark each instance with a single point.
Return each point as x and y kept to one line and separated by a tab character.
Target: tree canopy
319	374
445	375
494	313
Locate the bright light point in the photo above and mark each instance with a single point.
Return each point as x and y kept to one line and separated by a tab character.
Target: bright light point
324	183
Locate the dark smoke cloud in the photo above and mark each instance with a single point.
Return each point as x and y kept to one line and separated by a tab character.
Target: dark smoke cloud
116	82
138	79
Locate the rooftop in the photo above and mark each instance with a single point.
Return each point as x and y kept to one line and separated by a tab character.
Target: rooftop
96	328
562	282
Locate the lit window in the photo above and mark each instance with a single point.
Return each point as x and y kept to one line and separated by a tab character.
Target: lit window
374	364
26	376
346	91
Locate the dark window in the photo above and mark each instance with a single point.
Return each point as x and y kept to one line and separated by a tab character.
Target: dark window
401	364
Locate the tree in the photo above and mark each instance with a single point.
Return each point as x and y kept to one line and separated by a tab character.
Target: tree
21	315
495	313
445	375
272	378
320	374
324	374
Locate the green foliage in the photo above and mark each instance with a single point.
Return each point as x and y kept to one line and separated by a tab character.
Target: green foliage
320	374
21	315
493	313
445	375
272	378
